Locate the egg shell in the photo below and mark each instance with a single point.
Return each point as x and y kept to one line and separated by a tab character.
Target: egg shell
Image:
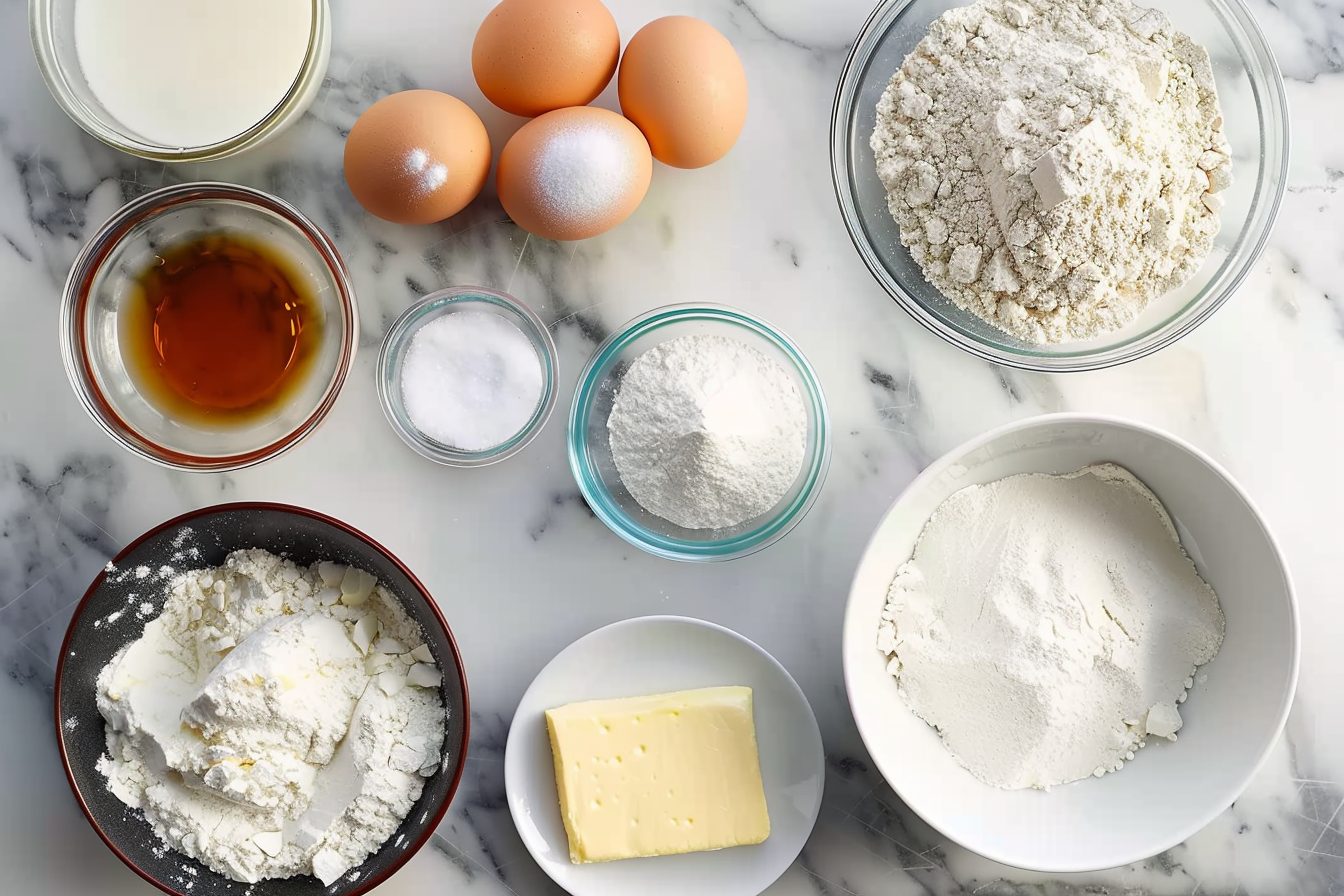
417	157
534	56
574	173
683	85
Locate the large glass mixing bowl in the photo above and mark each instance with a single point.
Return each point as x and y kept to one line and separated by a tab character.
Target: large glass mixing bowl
1255	110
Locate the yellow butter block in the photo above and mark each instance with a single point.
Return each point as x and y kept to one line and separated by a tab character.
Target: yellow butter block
658	775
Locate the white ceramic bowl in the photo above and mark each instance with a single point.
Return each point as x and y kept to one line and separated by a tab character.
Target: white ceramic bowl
1232	718
655	655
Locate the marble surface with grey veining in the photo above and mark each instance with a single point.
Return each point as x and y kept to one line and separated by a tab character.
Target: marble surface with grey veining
521	567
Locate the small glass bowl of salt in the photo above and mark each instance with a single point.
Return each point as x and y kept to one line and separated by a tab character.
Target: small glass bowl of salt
467	376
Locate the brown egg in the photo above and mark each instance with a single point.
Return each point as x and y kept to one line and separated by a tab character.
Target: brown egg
682	83
574	173
417	157
533	56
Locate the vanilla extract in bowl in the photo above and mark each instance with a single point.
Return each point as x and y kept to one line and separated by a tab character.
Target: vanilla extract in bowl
220	330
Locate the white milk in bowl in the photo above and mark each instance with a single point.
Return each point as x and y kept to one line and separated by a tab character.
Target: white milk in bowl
193	73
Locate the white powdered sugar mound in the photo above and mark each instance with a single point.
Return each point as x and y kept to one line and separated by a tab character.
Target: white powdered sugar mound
274	720
1054	165
707	432
1047	626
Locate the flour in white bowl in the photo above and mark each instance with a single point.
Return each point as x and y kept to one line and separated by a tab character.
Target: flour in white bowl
1054	165
1047	626
274	720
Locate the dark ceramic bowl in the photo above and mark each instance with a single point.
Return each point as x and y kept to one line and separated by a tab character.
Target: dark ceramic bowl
109	617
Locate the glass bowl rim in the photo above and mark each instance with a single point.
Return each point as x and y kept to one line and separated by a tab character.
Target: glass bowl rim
54	75
599	498
398	340
74	332
1271	99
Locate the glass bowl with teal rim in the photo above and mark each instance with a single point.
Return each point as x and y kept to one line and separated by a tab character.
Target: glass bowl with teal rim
450	301
590	447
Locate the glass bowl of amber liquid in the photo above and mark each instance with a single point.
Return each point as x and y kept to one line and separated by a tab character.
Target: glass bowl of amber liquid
208	327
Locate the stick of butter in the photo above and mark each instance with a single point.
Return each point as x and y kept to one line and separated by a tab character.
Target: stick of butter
658	775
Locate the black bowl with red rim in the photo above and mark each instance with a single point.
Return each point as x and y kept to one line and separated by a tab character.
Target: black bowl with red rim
112	615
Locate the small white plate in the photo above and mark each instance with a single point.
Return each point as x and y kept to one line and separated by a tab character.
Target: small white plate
653	655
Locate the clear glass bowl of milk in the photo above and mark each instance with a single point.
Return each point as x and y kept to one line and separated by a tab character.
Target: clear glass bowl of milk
182	80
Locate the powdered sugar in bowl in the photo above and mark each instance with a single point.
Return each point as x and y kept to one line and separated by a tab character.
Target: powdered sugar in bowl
722	526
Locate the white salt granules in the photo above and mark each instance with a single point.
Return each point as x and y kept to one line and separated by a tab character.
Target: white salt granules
471	380
427	174
586	173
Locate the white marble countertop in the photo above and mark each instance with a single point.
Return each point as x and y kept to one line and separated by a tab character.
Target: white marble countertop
517	562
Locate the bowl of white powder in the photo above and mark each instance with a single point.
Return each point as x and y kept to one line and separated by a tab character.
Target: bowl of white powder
467	376
1071	643
1060	185
256	696
699	432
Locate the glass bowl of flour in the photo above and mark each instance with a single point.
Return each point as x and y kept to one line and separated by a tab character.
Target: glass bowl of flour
1125	322
717	444
321	776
